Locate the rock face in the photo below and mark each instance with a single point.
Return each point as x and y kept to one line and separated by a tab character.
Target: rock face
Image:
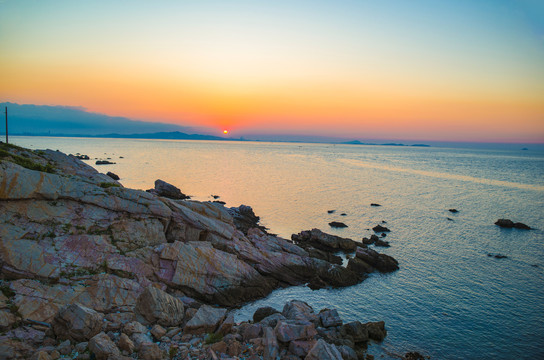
76	235
244	218
156	306
77	323
507	223
77	248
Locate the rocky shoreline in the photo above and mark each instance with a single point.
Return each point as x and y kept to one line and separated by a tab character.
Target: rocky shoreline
90	269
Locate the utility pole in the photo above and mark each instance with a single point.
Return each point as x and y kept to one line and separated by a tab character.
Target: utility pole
7	125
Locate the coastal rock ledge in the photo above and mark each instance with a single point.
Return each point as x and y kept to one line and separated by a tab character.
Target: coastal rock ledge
71	235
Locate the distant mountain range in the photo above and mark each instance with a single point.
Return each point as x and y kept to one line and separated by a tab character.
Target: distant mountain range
357	142
77	121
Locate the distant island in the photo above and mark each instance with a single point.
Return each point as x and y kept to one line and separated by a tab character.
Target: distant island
357	142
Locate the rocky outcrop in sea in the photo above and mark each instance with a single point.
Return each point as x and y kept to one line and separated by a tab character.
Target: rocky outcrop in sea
90	266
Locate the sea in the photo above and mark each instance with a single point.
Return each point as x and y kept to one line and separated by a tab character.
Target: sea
450	299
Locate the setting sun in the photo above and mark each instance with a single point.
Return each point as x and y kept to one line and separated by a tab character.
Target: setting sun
225	132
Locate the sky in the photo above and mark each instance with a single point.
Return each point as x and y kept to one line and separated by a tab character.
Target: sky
459	70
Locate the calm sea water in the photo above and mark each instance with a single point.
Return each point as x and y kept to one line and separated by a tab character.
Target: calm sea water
449	299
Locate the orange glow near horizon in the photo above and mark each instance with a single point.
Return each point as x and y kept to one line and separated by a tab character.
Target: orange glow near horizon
485	83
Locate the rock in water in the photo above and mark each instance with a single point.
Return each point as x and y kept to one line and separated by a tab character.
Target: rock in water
112	175
337	224
77	323
382	262
376	330
507	223
453	210
323	241
379	228
165	189
156	306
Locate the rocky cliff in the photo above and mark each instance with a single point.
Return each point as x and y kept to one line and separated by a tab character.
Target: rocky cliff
71	235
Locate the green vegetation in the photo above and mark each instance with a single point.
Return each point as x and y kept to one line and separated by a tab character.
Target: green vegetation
107	185
23	160
212	338
6	290
172	352
66	227
50	234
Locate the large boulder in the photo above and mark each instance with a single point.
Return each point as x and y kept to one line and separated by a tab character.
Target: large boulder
245	219
162	188
330	318
299	311
206	320
102	347
156	306
263	312
271	347
356	330
150	351
376	330
211	274
77	323
323	241
323	351
382	262
289	330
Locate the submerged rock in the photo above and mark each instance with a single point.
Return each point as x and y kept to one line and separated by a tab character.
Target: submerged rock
103	162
